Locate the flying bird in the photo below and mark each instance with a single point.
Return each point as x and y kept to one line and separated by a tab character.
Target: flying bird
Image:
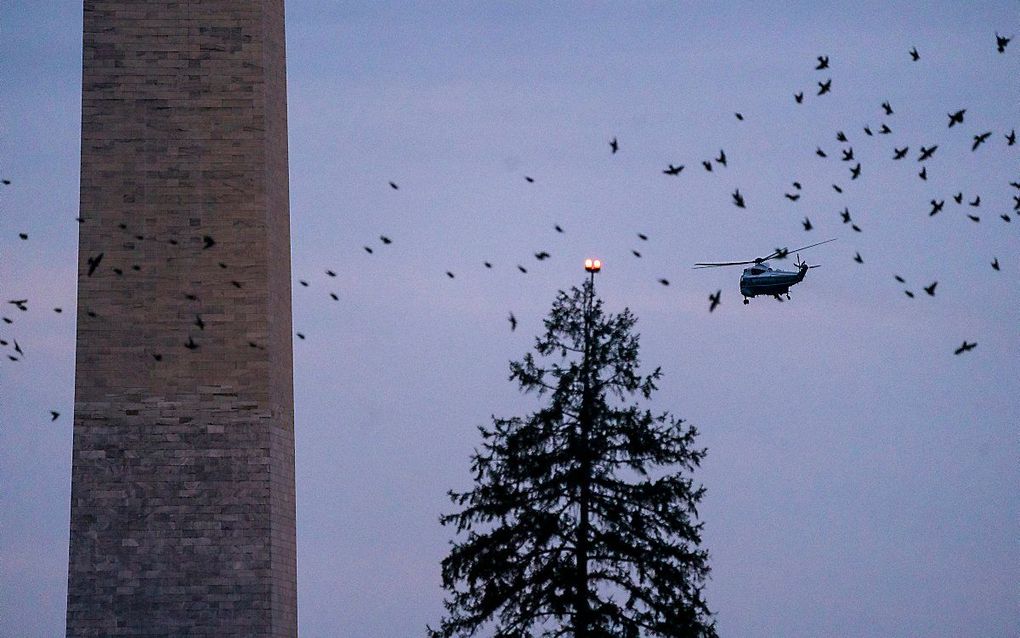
199	322
714	299
673	170
958	197
791	196
974	218
823	62
541	256
94	263
18	349
707	165
976	202
924	173
23	236
1011	137
334	296
867	131
385	240
855	172
936	207
807	224
914	55
824	87
331	273
449	274
887	107
664	282
642	236
636	253
522	269
884	129
367	249
513	322
738	199
20	304
995	263
927	153
845	214
1001	42
530	180
900	153
931	289
615	146
966	347
848	154
300	335
54	415
207	242
799	97
722	157
980	139
858	258
841	136
487	265
558	228
819	152
837	188
394	186
191	345
740	116
956	118
908	293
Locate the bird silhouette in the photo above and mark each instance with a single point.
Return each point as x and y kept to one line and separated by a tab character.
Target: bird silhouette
855	228
487	265
848	154
385	240
995	263
980	139
664	282
824	87
956	118
799	97
931	289
958	197
837	188
642	236
541	256
884	129
927	152
530	180
300	335
900	153
858	258
1006	218
513	322
93	263
855	172
914	55
738	199
207	242
157	356
791	196
797	185
900	279
522	269
236	284
331	273
23	236
17	348
841	136
819	152
739	116
449	274
199	322
20	304
191	345
54	415
1001	42
974	218
966	347
394	186
558	228
936	207
823	62
334	296
673	170
924	173
714	300
707	165
636	253
887	108
845	214
367	249
975	202
867	131
614	145
722	157
807	224
908	293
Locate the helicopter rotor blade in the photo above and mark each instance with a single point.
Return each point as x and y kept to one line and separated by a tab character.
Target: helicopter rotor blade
811	246
715	264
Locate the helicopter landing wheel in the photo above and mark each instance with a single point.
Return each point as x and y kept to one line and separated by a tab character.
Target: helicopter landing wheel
787	296
746	301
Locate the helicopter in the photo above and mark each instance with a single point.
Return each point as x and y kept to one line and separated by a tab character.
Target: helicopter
762	279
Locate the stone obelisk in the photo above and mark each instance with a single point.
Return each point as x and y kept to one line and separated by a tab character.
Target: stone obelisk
182	497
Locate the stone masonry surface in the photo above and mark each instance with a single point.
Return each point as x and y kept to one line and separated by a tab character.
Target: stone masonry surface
182	498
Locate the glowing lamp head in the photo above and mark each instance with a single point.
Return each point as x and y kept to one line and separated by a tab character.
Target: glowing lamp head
593	265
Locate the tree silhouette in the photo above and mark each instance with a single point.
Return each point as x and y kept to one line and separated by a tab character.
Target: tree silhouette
582	521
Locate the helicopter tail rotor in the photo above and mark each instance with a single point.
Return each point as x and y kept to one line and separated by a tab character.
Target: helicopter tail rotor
800	264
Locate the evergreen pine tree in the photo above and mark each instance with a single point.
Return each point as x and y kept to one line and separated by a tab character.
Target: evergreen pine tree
583	519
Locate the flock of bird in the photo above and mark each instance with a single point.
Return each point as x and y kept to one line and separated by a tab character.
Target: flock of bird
15	352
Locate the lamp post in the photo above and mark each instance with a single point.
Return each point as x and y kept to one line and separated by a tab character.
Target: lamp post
582	547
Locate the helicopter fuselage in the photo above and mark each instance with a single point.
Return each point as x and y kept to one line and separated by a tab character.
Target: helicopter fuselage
760	279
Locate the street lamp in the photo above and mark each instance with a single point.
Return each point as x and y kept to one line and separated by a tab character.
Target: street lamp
592	266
